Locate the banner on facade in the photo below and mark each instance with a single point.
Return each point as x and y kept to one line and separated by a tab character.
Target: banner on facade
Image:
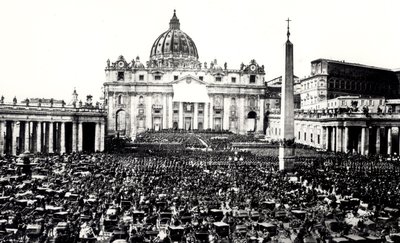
190	92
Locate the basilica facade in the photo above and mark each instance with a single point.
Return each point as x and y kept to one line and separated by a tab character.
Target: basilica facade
174	90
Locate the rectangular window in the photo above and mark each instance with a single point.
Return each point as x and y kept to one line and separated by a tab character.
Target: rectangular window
157	77
318	137
311	136
175	112
305	136
120	76
176	77
252	79
218	79
233	79
218	112
201	78
299	135
200	112
141	77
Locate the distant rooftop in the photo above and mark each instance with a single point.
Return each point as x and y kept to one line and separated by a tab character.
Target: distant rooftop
352	64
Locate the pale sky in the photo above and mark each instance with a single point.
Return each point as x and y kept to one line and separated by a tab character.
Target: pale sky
49	47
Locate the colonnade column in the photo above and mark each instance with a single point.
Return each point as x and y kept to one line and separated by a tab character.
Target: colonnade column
74	136
51	139
364	140
97	137
339	135
378	141
80	137
62	138
2	133
346	140
333	139
15	135
26	137
102	131
211	124
327	138
195	115
39	137
389	141
180	122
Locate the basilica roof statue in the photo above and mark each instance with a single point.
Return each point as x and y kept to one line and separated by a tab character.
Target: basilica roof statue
174	49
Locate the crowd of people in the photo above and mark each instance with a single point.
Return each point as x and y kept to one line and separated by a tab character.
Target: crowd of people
210	139
198	196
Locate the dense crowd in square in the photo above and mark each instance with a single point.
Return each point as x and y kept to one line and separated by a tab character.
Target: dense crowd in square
198	196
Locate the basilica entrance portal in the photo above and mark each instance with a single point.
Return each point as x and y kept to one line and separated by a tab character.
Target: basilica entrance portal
188	123
251	121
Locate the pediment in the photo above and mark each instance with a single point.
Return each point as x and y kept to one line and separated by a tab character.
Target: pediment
188	79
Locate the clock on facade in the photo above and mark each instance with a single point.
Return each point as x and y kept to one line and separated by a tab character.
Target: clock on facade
253	67
121	64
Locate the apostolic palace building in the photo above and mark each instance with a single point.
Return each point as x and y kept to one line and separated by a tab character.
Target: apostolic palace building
341	106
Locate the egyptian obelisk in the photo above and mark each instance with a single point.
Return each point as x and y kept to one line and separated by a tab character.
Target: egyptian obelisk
286	147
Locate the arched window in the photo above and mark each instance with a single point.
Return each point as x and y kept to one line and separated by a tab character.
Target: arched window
252	102
120	100
121	122
141	100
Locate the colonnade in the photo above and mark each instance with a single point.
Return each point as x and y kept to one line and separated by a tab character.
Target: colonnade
27	136
361	139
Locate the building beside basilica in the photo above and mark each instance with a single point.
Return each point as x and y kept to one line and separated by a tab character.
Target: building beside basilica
345	107
174	90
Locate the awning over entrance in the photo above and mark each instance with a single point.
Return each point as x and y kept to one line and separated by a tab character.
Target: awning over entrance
190	92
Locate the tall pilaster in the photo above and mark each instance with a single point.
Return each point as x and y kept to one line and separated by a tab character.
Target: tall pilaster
286	150
195	115
51	137
39	137
180	122
80	137
149	115
62	138
206	115
170	111
241	115
164	112
260	122
225	118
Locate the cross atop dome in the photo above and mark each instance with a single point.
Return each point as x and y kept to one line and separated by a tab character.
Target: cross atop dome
174	22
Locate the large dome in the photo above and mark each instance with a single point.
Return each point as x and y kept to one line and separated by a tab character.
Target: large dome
174	48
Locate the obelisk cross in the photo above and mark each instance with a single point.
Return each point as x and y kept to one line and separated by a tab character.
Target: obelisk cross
288	32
